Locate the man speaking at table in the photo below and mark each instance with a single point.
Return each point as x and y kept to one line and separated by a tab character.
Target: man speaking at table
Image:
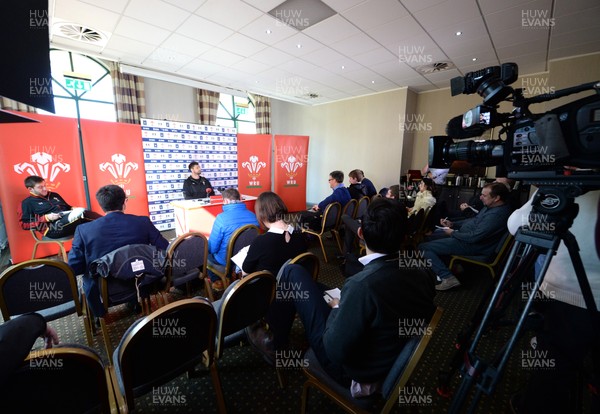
196	186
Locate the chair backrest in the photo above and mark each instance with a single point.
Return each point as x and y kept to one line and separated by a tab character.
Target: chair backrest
125	274
39	285
350	207
502	248
242	237
163	345
415	221
361	209
430	218
331	216
74	379
310	262
186	257
407	361
244	304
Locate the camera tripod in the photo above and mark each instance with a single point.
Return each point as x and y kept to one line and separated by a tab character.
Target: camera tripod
530	244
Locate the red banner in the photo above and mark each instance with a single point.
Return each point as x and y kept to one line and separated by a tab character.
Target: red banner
114	155
48	148
291	159
254	163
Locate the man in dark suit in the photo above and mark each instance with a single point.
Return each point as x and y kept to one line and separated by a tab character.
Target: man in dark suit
116	229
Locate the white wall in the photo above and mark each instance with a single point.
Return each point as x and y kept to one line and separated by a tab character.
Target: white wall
357	133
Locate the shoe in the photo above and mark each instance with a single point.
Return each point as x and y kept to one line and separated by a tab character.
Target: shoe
218	285
261	339
448	283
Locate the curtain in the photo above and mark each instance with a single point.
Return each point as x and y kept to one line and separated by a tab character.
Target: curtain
262	106
208	105
12	105
130	102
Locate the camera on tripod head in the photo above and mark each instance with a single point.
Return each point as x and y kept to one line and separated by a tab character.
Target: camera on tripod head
535	147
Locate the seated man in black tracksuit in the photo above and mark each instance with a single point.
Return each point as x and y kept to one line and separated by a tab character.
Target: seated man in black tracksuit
48	212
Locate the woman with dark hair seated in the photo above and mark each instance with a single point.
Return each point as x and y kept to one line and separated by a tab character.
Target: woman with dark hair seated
425	198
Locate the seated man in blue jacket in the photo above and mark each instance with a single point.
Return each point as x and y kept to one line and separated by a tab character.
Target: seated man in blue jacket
234	215
340	194
116	229
477	236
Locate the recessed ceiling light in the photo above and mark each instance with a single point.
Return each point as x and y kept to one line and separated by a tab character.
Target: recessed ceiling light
474	59
268	31
373	82
343	67
299	46
458	33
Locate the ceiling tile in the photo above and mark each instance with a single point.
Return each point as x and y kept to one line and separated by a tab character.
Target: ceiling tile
132	28
204	30
264	5
332	30
354	45
185	45
290	45
116	6
447	14
257	30
157	13
189	5
241	45
374	13
233	14
272	57
343	5
71	11
221	57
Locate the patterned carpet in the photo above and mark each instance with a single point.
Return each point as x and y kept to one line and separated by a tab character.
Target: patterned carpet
250	385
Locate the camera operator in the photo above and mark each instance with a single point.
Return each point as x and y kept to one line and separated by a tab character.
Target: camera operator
570	331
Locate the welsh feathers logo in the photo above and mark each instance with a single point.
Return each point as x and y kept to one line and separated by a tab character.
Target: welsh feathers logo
42	164
291	166
119	168
254	166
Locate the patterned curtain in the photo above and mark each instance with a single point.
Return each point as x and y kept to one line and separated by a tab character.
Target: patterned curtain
12	105
130	102
208	105
262	106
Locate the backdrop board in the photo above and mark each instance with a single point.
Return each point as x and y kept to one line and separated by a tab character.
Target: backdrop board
291	160
254	163
168	149
113	155
50	149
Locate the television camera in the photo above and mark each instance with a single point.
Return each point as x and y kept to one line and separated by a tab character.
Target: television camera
535	147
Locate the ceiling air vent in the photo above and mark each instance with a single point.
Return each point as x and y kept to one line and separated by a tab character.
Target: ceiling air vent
80	33
435	67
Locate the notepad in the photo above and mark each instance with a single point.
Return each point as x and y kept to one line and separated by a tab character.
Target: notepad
332	294
443	228
240	256
474	209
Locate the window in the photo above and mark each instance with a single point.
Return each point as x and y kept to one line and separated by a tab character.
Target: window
238	112
93	100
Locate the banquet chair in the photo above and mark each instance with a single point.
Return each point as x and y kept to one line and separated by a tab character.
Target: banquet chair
331	216
45	286
241	238
39	238
158	348
186	260
395	381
